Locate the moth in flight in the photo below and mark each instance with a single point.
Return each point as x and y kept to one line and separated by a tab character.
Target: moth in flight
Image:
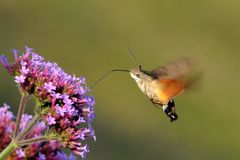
164	83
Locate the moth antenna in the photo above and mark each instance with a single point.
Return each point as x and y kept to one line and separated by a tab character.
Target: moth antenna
133	57
106	74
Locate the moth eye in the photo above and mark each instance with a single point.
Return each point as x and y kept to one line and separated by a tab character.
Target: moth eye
138	75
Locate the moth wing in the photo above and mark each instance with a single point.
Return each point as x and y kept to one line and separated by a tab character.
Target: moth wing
175	70
174	78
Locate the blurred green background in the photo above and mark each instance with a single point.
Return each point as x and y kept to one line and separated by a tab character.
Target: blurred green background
90	37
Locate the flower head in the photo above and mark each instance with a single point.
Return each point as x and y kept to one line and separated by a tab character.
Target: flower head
63	99
6	126
37	150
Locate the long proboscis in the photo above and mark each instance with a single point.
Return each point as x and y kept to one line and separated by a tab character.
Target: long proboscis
106	74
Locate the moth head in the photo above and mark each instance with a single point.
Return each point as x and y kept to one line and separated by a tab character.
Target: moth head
137	74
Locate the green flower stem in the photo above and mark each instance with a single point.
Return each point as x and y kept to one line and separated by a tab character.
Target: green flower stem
20	113
33	140
10	148
29	126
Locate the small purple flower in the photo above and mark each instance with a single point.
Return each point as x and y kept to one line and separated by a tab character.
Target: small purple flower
24	70
20	153
49	87
28	50
50	120
82	151
24	64
60	110
68	108
4	113
4	61
41	156
56	95
20	79
66	99
81	90
9	129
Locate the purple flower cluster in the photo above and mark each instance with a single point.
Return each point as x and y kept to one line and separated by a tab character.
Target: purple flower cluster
63	99
38	150
6	126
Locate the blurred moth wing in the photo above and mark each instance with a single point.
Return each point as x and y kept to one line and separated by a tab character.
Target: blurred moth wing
173	78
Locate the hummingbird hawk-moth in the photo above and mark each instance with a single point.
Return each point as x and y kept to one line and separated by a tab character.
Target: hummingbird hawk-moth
164	83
